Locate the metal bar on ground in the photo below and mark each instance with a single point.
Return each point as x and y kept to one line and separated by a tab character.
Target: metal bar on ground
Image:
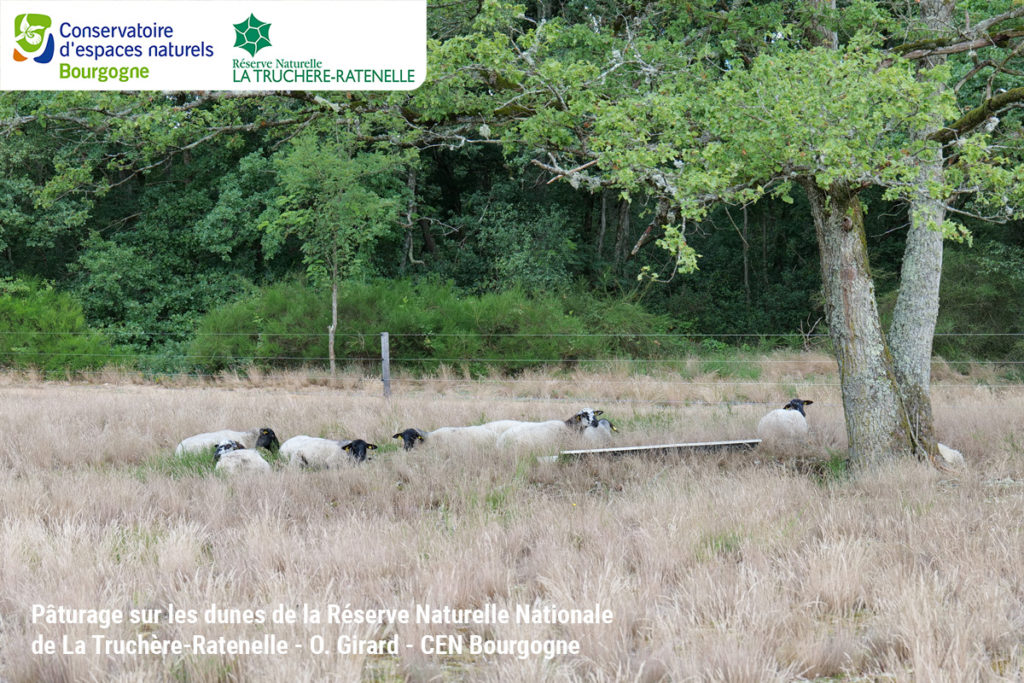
679	447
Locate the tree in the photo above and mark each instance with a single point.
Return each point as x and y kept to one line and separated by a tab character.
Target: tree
651	103
914	318
338	200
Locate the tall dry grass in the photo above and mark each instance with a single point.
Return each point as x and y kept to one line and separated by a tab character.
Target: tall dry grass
719	567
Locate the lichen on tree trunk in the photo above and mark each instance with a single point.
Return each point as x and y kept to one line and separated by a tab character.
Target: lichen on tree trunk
876	422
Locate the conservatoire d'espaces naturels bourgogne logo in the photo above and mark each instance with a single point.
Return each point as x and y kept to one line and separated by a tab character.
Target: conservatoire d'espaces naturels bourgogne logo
32	34
252	35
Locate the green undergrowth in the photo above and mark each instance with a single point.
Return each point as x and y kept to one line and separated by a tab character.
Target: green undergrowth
190	464
431	325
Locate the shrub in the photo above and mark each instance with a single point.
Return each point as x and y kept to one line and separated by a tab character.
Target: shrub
45	329
430	323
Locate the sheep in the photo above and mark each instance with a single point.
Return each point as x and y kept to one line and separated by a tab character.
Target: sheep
231	457
600	433
487	433
254	438
534	434
950	457
448	436
499	427
788	423
315	453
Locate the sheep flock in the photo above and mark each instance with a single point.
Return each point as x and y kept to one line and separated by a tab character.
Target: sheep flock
247	450
236	451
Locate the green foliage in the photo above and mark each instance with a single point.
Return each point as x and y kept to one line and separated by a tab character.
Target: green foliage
430	323
337	199
154	209
45	329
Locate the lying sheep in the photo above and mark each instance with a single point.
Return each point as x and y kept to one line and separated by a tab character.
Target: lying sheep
499	427
254	438
786	424
315	453
480	435
232	457
950	457
535	434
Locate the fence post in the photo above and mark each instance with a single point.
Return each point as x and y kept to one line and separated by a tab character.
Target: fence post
385	363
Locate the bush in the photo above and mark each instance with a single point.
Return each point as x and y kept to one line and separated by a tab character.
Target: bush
430	323
45	329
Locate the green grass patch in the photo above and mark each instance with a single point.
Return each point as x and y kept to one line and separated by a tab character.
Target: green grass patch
188	464
721	544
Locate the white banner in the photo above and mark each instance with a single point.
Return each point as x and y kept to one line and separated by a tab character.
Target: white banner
213	44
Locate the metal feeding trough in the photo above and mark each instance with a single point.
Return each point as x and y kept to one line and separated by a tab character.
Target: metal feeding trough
673	448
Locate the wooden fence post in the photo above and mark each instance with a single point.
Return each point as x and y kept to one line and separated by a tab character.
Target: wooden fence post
385	362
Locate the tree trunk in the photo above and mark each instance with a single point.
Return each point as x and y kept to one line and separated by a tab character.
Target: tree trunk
622	232
604	222
917	301
876	423
917	308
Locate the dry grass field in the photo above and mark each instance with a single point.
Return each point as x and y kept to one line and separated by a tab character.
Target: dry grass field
749	566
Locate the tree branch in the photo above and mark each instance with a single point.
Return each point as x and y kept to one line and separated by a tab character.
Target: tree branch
977	116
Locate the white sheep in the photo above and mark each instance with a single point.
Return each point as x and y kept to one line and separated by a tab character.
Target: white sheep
786	424
537	434
232	458
950	456
499	427
253	438
477	435
315	453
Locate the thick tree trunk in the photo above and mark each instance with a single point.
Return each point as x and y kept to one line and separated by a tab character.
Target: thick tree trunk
875	420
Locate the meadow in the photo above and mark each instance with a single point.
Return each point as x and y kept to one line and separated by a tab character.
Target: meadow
721	566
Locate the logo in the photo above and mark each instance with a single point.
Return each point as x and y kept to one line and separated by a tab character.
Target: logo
32	34
252	35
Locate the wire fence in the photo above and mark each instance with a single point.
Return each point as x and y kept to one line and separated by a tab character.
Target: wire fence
693	360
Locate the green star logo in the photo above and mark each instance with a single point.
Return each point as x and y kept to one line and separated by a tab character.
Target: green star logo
252	35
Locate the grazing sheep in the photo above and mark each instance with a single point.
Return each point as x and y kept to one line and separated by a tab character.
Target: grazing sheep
788	423
601	433
535	434
254	438
315	453
231	457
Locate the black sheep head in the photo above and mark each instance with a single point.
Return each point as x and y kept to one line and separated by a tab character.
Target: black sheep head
357	449
797	404
267	439
410	437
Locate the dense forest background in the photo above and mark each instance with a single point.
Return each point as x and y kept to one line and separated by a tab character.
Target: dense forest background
180	232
